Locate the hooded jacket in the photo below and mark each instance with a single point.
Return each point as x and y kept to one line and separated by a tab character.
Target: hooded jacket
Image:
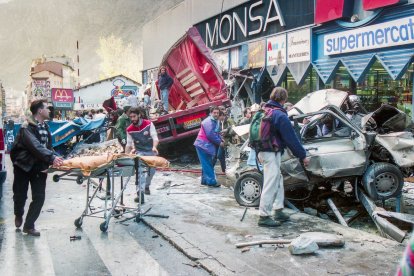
284	132
27	151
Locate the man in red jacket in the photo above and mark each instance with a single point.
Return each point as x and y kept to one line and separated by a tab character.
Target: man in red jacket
142	140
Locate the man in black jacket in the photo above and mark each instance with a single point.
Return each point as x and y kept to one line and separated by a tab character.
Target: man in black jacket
32	154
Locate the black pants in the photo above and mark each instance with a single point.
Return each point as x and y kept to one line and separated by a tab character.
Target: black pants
20	186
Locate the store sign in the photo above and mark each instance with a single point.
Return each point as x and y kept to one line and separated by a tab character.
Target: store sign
298	46
229	23
62	98
276	50
254	19
257	54
392	33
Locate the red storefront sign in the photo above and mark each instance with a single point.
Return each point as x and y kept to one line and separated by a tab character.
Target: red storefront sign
328	10
62	97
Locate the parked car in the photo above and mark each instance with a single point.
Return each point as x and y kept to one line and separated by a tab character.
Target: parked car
374	151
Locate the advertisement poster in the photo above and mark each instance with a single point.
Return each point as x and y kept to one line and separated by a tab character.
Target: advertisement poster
276	50
298	46
257	54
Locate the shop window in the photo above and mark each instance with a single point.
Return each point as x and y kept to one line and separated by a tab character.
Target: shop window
379	88
297	92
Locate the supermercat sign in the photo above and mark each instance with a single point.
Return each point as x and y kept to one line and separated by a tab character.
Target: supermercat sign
388	34
254	19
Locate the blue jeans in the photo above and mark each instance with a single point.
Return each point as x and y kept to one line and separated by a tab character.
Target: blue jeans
221	156
164	98
208	176
145	173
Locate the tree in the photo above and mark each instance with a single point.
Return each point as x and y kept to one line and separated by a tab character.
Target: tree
117	58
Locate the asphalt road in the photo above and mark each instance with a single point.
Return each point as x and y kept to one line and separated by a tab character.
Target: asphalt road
129	248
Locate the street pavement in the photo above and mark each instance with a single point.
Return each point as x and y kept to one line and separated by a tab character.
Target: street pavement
126	249
198	238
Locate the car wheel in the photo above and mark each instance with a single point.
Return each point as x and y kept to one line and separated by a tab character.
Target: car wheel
383	181
248	189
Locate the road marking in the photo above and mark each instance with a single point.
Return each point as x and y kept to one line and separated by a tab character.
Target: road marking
117	246
22	254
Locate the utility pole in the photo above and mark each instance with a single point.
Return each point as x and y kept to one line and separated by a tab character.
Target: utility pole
3	101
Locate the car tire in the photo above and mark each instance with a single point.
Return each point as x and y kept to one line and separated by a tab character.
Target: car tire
248	189
383	181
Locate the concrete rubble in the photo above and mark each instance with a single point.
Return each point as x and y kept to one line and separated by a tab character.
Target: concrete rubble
205	226
303	245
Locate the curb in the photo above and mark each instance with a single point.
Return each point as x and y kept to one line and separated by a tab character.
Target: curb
203	260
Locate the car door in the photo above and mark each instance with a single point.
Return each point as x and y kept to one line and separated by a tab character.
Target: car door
338	152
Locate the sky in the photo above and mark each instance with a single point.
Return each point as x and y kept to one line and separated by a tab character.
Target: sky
32	28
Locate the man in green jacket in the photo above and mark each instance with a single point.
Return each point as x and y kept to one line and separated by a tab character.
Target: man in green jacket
121	125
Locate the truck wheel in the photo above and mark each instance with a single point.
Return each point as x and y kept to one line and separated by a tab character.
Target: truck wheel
248	189
383	181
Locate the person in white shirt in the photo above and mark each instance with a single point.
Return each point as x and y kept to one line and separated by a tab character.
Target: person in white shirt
100	114
132	100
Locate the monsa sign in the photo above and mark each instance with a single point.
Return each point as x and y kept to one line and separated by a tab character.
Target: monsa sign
254	19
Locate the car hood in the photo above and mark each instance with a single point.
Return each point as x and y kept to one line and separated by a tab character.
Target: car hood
317	100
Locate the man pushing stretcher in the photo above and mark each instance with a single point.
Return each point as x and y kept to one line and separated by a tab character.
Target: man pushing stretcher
142	140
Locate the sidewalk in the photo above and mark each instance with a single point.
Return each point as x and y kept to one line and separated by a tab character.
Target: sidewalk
205	224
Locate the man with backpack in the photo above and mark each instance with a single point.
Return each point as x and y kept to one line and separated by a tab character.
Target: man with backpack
270	132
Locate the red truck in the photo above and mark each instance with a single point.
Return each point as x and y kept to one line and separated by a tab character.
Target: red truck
198	84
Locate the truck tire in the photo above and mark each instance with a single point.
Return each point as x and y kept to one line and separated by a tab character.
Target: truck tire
248	189
383	181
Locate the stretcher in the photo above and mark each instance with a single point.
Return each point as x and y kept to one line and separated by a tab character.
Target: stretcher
125	168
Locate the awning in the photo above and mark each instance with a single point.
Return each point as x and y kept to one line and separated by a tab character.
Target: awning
395	61
359	65
326	68
277	73
299	71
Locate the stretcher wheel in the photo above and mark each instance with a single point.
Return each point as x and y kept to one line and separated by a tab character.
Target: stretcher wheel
78	222
103	227
138	218
56	178
118	213
79	180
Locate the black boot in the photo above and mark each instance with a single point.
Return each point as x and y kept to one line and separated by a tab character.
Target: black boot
142	198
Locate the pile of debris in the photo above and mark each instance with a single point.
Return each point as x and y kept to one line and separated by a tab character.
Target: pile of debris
96	149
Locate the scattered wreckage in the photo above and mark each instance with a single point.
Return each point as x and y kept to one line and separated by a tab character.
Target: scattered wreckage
370	152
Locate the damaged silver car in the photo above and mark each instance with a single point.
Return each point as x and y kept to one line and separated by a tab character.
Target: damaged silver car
374	151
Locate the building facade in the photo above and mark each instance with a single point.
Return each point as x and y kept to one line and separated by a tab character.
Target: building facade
367	48
91	96
364	47
48	77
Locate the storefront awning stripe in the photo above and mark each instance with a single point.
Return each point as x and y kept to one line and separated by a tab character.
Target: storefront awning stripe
277	73
358	67
326	68
396	62
299	71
